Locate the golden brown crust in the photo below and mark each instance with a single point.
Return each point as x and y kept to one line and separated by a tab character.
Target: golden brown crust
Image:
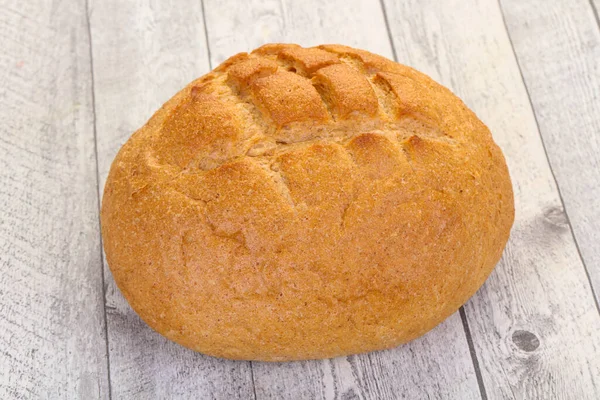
305	203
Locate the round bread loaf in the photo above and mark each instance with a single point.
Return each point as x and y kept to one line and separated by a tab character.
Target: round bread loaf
300	203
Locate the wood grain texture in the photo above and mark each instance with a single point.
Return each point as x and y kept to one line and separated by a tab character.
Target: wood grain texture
558	47
534	323
143	53
52	342
436	366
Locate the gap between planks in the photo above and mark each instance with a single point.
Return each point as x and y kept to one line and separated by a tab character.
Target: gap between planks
102	266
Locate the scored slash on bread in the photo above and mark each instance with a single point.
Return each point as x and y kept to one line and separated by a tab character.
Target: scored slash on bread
301	203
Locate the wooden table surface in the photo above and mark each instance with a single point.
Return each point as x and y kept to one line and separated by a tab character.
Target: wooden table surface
77	78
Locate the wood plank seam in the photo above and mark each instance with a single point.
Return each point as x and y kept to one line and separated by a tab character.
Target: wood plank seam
388	30
93	87
206	35
462	312
463	317
560	196
595	11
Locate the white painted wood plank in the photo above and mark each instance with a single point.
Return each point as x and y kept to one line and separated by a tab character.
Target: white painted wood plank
143	53
235	26
534	324
436	366
52	342
558	48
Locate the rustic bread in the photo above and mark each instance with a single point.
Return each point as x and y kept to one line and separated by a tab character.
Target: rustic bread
300	203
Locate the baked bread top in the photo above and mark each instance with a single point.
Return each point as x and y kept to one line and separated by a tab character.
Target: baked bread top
300	203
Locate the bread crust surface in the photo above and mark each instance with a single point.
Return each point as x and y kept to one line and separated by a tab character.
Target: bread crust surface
301	203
